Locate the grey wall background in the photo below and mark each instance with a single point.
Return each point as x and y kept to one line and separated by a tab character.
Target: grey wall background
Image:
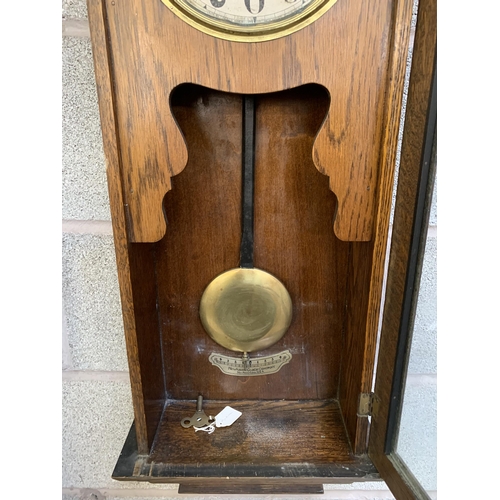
97	408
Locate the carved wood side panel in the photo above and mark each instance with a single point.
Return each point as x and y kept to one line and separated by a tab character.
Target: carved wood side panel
153	51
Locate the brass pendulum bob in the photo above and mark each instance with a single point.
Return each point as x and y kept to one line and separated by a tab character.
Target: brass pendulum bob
246	309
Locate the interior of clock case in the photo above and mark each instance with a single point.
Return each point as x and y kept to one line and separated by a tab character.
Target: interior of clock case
304	417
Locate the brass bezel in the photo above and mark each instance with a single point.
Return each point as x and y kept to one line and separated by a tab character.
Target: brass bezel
258	33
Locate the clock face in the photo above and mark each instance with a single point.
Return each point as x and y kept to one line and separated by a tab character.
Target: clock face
248	12
249	20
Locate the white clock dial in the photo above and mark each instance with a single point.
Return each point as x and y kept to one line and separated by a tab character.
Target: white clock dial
249	20
248	12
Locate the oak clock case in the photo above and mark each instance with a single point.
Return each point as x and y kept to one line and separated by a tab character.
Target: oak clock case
300	106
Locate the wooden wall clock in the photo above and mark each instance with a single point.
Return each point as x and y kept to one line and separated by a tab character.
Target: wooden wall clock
250	149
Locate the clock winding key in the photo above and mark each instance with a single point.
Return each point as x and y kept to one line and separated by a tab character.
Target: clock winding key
199	418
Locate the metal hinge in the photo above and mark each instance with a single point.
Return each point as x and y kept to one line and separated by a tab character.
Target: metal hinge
365	404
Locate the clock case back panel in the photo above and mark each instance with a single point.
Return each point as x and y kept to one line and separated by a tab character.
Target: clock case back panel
171	120
293	240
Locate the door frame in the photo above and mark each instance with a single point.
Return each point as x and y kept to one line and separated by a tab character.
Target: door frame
411	216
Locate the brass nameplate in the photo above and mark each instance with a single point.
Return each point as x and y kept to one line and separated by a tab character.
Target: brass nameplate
265	365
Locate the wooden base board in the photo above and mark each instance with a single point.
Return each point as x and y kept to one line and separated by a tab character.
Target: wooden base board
251	489
271	444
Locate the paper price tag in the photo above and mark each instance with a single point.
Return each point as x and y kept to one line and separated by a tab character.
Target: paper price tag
227	417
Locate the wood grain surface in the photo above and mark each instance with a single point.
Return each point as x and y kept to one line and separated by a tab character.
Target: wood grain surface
267	433
418	136
153	52
144	291
324	163
102	61
294	240
369	259
132	466
225	487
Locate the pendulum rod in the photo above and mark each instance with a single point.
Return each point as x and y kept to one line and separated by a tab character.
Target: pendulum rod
246	309
248	167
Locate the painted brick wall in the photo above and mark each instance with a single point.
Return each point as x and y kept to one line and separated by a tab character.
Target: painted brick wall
97	408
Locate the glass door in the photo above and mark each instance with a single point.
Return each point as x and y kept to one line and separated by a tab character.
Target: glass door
403	414
416	440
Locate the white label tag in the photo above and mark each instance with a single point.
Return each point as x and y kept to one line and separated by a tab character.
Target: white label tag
227	417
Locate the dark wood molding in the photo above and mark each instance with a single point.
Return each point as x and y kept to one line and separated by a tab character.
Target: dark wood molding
132	466
228	487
